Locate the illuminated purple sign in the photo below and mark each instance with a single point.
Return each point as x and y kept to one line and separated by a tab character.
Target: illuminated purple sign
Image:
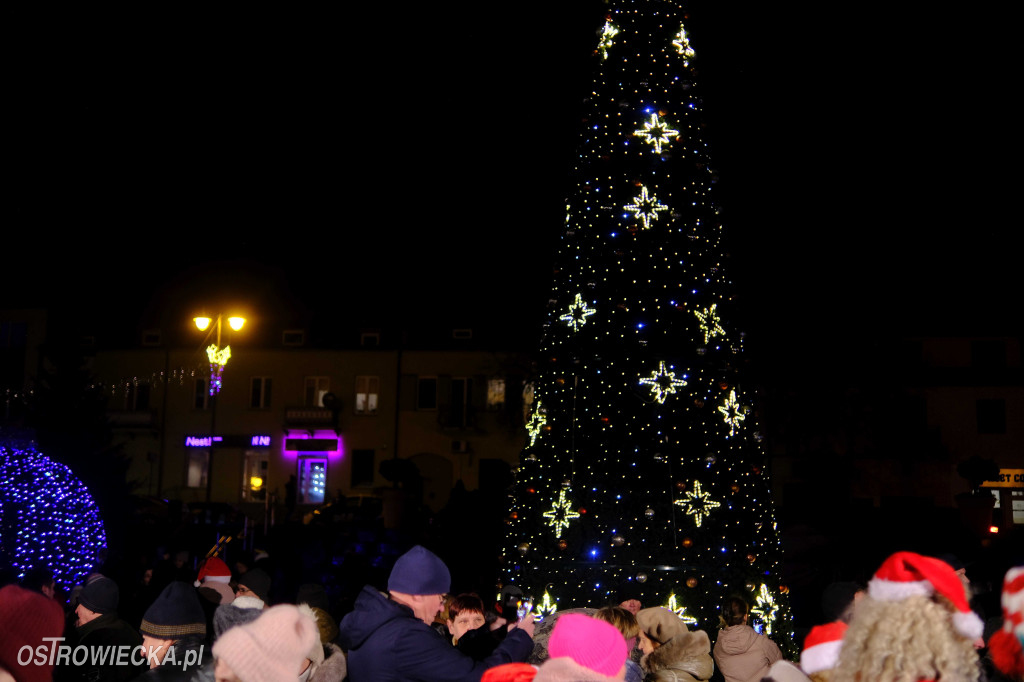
261	441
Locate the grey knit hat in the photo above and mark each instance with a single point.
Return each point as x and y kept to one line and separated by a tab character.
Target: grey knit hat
175	613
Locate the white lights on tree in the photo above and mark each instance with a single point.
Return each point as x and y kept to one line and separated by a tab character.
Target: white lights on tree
765	608
645	207
608	33
674	607
698	503
536	423
663	382
682	43
578	313
561	513
710	323
656	133
731	413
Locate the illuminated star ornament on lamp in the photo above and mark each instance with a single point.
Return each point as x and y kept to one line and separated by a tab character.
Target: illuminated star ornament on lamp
218	356
578	313
656	132
698	503
731	413
645	208
765	608
607	34
710	323
560	514
663	382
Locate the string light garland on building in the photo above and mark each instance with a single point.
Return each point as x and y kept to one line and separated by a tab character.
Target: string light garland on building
765	608
663	382
645	208
732	413
656	133
48	519
698	503
710	323
632	395
578	313
561	513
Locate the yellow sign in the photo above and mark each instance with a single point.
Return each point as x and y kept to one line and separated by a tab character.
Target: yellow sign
1008	478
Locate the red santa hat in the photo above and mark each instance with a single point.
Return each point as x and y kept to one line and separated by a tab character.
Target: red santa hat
214	570
821	648
906	574
1005	645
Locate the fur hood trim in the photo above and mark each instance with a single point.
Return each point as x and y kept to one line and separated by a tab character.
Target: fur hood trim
689	653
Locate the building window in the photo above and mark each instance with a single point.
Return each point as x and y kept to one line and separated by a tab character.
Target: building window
991	415
198	462
1017	505
367	392
496	393
259	393
369	339
312	479
426	393
151	337
137	397
293	337
458	405
200	394
988	353
362	468
316	389
254	480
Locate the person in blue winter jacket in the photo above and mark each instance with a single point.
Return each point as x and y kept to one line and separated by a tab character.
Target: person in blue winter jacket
389	638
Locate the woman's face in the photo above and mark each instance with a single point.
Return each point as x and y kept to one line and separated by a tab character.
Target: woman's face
464	622
645	644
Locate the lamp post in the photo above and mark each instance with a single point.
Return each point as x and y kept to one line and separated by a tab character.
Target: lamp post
218	358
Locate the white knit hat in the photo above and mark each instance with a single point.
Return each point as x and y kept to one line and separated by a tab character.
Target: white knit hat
270	648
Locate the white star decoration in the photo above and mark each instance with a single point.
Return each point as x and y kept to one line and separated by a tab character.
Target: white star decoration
710	323
663	382
682	43
560	514
537	421
731	412
765	608
578	313
646	207
607	33
656	132
697	503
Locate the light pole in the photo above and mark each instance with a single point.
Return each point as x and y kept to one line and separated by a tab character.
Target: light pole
218	359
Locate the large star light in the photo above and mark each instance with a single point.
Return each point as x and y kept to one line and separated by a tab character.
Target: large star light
656	132
578	313
560	514
646	207
537	421
663	382
607	34
682	43
710	323
698	503
731	412
765	608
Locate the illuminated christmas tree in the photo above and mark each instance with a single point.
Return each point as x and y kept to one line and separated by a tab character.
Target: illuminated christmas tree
643	466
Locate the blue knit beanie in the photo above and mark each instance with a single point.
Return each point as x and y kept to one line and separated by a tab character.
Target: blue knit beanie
99	595
419	571
175	613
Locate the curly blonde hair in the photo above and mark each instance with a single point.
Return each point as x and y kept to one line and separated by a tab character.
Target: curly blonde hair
905	641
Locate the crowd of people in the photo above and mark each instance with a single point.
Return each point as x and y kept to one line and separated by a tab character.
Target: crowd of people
911	622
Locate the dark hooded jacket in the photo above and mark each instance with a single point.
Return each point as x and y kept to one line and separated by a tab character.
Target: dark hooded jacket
387	643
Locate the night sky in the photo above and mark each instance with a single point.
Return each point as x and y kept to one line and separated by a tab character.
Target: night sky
400	163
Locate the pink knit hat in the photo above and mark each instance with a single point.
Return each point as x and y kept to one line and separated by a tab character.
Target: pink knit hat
25	618
593	644
270	648
906	574
821	648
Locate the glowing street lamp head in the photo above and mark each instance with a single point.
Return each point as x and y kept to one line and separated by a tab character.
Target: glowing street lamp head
255	482
236	323
203	323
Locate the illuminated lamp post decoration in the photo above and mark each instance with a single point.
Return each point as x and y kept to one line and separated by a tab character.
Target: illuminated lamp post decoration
218	356
617	420
48	519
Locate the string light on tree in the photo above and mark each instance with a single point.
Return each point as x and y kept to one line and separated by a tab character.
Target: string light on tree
698	503
682	43
561	513
656	133
710	323
674	607
578	313
536	423
645	208
608	34
765	608
731	413
663	382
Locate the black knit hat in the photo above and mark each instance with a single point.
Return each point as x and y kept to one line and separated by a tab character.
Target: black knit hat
99	595
175	613
258	581
419	571
313	594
